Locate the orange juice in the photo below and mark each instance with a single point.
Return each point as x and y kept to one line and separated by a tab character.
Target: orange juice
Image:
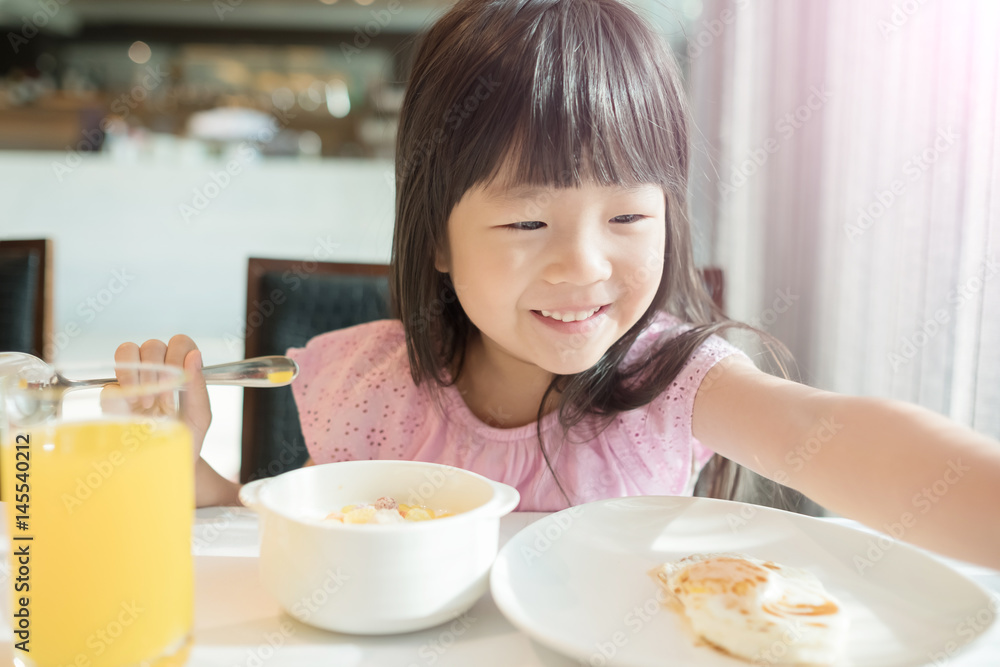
110	507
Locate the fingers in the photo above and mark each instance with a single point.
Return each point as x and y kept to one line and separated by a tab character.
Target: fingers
180	351
112	401
127	353
151	352
179	347
155	351
195	407
194	400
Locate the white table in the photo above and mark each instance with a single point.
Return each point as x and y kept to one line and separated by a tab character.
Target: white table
237	623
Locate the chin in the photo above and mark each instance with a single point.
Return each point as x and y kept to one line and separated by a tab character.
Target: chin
571	362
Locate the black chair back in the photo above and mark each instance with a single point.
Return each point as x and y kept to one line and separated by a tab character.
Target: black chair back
18	289
25	296
287	306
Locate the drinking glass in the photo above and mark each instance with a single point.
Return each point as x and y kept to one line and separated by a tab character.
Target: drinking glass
99	489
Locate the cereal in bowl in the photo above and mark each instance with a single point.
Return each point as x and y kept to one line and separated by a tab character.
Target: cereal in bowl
385	510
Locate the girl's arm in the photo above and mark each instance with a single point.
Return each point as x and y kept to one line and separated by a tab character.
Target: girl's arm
896	467
211	488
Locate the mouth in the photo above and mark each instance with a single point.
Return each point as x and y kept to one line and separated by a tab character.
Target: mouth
571	315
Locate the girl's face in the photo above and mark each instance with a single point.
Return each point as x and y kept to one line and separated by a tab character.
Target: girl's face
552	277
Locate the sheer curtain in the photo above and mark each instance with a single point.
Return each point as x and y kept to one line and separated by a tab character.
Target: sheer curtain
846	175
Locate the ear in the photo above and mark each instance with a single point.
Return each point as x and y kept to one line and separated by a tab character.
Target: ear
442	259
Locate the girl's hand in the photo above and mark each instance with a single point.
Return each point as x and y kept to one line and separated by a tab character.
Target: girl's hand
180	351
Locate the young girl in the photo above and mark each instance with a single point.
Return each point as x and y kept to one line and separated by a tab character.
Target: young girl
553	332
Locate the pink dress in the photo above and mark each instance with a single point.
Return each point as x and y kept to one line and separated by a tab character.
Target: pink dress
357	400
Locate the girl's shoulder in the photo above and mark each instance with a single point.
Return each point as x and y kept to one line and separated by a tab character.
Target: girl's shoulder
355	390
346	357
662	429
664	326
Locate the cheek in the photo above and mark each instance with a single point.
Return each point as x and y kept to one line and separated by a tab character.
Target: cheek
646	289
641	276
655	262
480	291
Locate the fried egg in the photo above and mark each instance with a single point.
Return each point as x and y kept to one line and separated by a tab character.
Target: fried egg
757	610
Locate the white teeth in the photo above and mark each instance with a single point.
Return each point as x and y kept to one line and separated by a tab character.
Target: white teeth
570	317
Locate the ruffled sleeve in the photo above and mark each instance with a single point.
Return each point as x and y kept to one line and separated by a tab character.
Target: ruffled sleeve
664	454
348	391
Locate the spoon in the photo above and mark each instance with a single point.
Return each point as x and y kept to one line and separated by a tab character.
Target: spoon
271	371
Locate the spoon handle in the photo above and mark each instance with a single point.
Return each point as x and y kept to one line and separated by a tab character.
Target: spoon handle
272	371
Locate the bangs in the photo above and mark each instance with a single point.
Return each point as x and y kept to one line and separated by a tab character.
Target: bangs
585	93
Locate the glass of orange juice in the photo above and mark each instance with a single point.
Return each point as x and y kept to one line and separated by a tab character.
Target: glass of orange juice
99	491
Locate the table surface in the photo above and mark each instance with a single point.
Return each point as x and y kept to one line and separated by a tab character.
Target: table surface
238	623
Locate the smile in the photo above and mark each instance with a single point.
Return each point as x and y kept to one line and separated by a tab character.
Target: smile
569	316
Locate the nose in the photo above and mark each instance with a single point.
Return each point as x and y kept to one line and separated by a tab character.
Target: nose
578	257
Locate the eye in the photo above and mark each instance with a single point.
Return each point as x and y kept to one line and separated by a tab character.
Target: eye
526	225
625	219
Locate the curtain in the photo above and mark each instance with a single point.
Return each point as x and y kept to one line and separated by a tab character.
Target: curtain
846	176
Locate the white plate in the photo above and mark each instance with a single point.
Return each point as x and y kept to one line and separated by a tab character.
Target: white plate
577	581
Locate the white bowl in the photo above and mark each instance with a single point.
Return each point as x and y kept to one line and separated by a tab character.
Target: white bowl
377	579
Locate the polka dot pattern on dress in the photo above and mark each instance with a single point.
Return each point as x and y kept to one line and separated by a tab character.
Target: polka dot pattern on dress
357	401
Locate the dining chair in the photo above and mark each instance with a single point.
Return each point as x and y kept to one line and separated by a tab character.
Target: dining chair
289	302
715	283
26	296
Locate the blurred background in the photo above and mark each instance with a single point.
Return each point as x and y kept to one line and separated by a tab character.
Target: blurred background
845	173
